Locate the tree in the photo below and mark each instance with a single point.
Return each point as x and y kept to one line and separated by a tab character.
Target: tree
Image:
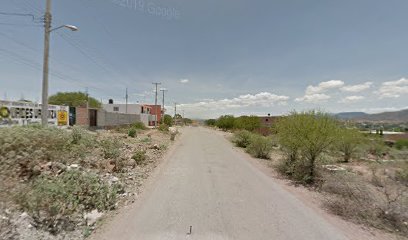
73	99
249	123
348	141
289	144
210	122
225	122
168	120
308	134
187	121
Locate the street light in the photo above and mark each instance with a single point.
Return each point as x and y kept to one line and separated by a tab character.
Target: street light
70	27
47	32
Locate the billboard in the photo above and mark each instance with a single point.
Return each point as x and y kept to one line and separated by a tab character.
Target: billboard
25	113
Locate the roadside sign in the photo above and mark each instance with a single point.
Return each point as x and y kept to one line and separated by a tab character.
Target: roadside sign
62	118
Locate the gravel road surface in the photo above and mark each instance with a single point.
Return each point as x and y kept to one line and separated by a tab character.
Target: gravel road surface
208	185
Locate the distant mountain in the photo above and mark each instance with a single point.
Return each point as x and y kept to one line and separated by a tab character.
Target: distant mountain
398	116
350	115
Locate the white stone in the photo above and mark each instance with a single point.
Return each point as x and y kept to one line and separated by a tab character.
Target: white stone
92	217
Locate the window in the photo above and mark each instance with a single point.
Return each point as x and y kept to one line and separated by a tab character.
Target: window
116	109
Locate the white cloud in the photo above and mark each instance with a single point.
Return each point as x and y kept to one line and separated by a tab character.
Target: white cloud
357	88
263	99
384	109
313	98
184	81
393	89
351	99
324	86
316	94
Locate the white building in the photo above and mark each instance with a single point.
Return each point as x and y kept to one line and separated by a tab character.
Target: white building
136	109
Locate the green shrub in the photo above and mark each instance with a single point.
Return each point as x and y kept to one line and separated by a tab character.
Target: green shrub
249	123
167	119
377	147
58	199
76	135
163	127
401	144
242	138
260	147
225	122
132	132
139	125
210	122
82	136
348	142
110	148
139	156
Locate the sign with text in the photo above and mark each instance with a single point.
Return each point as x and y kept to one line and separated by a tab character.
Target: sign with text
24	113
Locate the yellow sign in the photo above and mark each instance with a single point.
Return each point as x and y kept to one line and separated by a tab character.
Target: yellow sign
4	112
62	118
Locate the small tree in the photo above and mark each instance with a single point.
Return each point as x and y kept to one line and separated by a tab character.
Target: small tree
290	145
226	122
187	121
348	141
168	120
73	99
210	122
309	134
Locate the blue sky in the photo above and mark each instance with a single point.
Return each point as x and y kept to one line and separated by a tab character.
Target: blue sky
216	56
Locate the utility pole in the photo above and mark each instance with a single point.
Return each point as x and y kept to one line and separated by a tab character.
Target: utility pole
47	31
163	90
127	97
175	110
87	105
155	102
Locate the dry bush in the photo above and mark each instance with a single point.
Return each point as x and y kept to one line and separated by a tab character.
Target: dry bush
22	149
384	206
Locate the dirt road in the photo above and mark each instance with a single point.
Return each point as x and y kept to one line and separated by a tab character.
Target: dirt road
213	188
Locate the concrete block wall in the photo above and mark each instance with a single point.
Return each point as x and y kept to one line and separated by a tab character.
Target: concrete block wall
108	119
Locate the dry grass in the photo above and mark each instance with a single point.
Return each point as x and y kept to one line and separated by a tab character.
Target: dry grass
381	202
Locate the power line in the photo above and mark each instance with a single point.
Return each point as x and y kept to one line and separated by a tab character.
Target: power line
18	14
19	59
19	24
163	90
103	60
83	52
61	76
155	102
32	7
